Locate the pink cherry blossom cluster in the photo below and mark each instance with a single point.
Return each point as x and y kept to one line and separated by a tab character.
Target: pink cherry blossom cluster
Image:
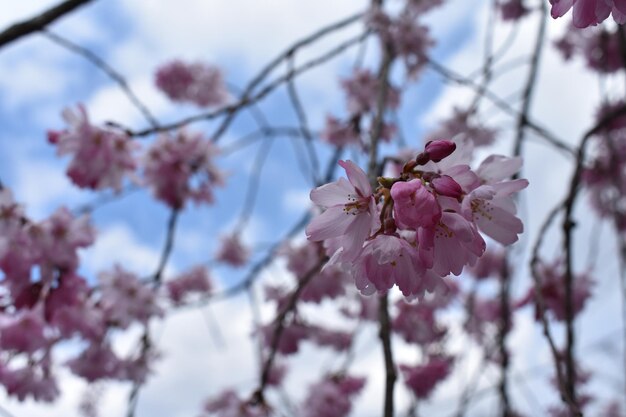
229	404
327	284
590	12
362	90
180	167
513	9
418	323
101	158
198	83
232	251
605	174
47	301
420	226
177	167
485	315
423	379
463	124
599	47
196	281
332	396
552	290
408	38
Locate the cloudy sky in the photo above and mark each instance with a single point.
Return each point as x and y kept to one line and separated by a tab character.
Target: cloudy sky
207	349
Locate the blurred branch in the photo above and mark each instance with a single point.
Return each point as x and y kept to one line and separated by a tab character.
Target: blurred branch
253	184
304	125
258	396
38	23
506	273
503	105
262	132
258	267
568	226
167	248
107	69
248	99
264	73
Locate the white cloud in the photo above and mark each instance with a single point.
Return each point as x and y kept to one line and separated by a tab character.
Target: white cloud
117	243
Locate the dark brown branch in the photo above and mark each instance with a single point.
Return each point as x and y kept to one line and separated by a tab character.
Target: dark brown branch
37	23
506	277
568	226
372	171
390	368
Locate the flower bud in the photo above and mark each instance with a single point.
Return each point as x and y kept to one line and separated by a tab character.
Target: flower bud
445	185
53	136
439	149
422	159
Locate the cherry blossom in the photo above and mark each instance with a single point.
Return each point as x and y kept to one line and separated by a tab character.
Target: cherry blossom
232	251
362	91
173	161
552	290
229	404
415	206
428	224
101	158
405	35
194	281
331	397
339	133
350	211
197	83
422	379
125	300
417	323
513	9
590	12
464	124
599	47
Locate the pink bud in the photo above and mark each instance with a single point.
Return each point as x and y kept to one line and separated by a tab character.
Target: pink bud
422	159
53	136
445	185
439	149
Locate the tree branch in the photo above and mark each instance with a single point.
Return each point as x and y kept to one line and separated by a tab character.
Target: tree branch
37	23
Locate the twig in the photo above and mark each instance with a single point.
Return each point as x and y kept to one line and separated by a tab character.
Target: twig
503	105
107	69
505	288
304	125
251	99
167	248
258	396
273	250
534	263
280	58
251	137
253	184
37	23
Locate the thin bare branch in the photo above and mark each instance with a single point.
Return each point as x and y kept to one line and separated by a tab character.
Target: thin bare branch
248	100
107	69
